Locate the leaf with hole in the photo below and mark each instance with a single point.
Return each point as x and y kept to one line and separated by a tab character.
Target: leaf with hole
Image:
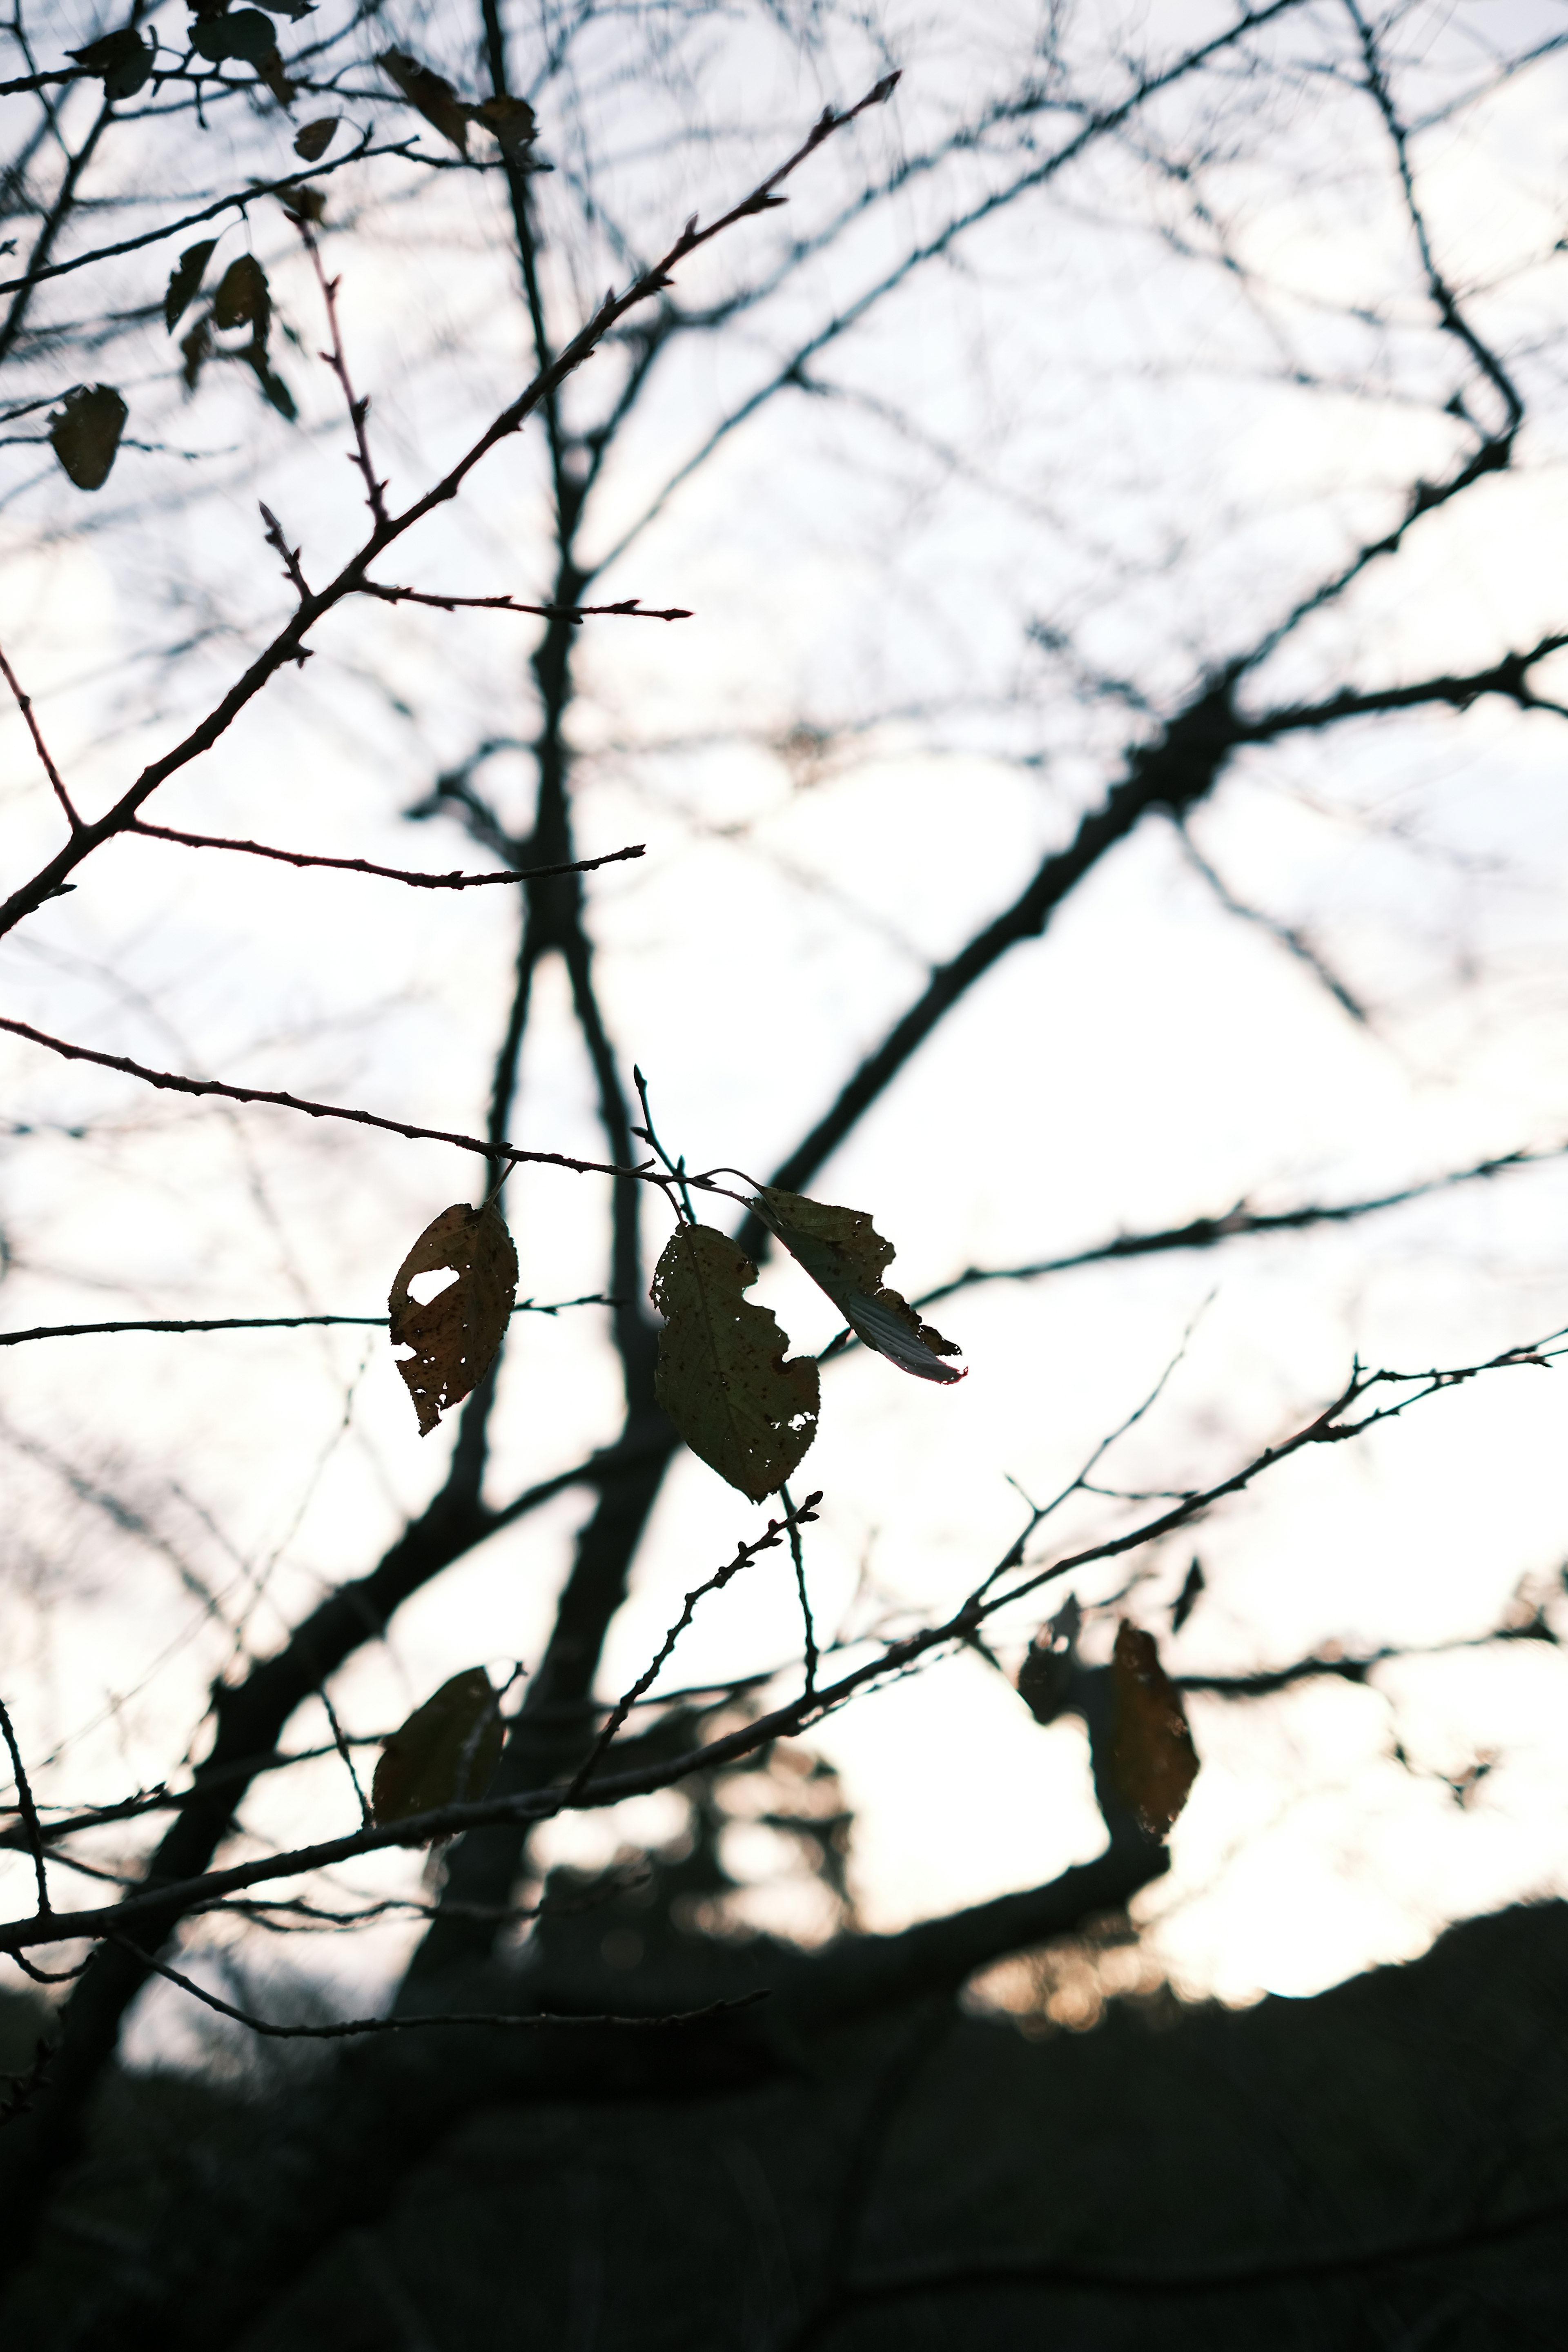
312	141
456	1333
247	35
446	1754
123	60
84	433
1152	1760
244	297
184	280
722	1378
429	94
844	1255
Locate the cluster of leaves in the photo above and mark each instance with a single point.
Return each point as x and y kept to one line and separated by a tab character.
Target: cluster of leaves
241	301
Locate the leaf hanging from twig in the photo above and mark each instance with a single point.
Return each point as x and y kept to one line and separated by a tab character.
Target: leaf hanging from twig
722	1378
312	141
244	298
246	36
123	60
430	94
511	119
455	1336
1048	1676
446	1754
185	279
84	433
844	1254
1153	1759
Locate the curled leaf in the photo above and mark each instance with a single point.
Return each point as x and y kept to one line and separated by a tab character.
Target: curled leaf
312	141
844	1254
446	1754
1048	1676
722	1378
429	94
455	1335
247	35
85	430
123	60
511	119
244	297
1152	1760
184	280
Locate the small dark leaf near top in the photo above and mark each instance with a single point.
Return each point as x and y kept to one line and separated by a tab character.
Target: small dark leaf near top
446	1754
844	1254
1152	1760
184	280
722	1378
244	297
247	35
313	140
85	431
429	94
124	60
1047	1676
456	1336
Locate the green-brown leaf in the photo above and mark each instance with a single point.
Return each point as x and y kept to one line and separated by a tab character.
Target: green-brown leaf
1153	1759
429	94
184	280
456	1336
722	1378
446	1754
844	1254
85	431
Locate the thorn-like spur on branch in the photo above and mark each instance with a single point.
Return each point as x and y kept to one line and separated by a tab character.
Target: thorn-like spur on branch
274	538
629	608
288	645
415	881
1337	1423
349	2027
171	1082
23	705
262	1322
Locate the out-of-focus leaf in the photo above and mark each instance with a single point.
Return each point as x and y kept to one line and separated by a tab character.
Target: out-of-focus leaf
85	431
1189	1596
1152	1760
429	94
196	350
722	1378
294	8
273	386
844	1254
301	203
513	121
247	35
313	139
456	1336
269	69
446	1754
123	60
244	297
1047	1676
184	280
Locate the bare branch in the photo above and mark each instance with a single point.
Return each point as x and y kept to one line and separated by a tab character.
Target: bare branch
415	881
23	705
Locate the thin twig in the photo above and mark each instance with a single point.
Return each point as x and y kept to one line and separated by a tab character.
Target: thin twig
797	1555
455	880
337	359
23	704
265	1322
30	1825
629	608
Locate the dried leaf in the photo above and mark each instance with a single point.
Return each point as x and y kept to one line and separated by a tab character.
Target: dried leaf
85	433
184	280
454	1337
446	1754
844	1254
1152	1760
429	94
312	141
513	121
1047	1676
244	297
247	35
722	1378
123	60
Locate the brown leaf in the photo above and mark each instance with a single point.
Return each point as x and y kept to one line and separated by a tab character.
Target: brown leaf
456	1337
446	1754
844	1254
1153	1759
1048	1676
429	94
184	280
244	297
85	431
313	140
511	119
722	1378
